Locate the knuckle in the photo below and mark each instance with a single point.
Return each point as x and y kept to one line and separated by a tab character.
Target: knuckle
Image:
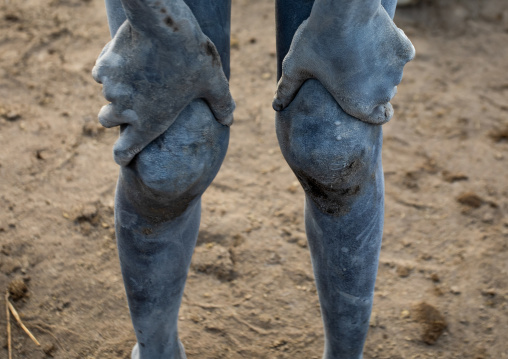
96	74
406	50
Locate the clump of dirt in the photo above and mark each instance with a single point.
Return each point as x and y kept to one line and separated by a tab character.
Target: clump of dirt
92	129
452	177
18	289
470	199
214	259
403	271
86	213
9	114
432	321
49	349
86	216
500	134
411	179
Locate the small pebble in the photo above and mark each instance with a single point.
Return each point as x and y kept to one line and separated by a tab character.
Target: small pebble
12	116
302	242
405	314
432	321
49	349
373	320
403	271
455	290
470	199
235	43
18	289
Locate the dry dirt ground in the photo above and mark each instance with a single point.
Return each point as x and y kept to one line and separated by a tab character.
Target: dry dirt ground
250	292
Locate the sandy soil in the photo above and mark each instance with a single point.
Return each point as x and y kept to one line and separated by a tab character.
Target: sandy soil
250	292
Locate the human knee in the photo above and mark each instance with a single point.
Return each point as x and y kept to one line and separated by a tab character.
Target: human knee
182	162
334	156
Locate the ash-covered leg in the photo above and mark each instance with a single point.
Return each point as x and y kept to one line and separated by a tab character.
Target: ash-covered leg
158	197
337	159
157	214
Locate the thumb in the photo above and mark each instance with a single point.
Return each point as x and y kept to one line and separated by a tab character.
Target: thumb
287	89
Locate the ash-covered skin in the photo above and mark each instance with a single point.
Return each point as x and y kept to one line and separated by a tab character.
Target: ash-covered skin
156	64
355	50
334	146
337	159
170	97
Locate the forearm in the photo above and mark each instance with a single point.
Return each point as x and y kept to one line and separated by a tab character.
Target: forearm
343	13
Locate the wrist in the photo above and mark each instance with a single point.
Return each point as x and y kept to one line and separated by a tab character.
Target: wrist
342	14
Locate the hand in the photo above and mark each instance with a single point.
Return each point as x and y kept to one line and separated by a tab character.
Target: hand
157	63
360	61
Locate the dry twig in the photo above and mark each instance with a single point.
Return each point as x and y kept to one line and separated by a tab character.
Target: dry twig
18	319
8	319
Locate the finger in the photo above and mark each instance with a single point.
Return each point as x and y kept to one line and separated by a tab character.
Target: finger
396	42
374	111
96	75
97	69
141	16
110	117
287	88
406	51
117	92
133	140
221	103
107	64
105	49
381	114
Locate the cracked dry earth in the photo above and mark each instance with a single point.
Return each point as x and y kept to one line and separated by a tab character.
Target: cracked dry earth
442	288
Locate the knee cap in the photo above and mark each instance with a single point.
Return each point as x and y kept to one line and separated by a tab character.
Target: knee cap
333	155
182	162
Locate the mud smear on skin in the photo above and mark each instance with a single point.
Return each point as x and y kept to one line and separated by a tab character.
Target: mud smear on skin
170	22
210	50
334	199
